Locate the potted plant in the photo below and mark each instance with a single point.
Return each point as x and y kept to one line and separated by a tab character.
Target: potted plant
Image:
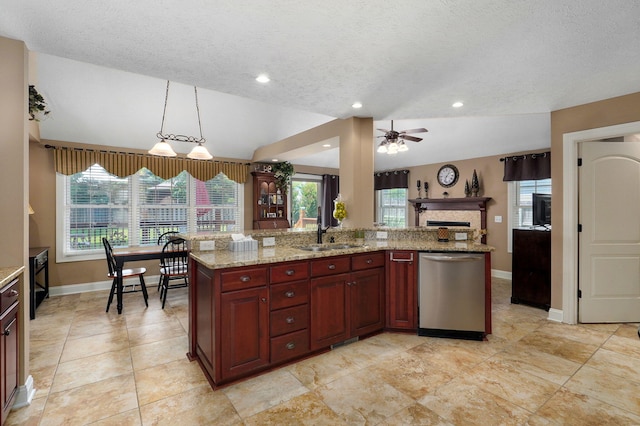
282	173
37	104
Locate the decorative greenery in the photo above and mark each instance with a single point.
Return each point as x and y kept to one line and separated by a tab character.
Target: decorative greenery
37	104
282	172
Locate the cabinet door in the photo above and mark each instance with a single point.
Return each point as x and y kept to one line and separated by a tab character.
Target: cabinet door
9	363
244	331
328	310
366	298
402	302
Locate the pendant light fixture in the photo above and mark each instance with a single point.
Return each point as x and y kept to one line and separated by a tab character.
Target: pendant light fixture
163	149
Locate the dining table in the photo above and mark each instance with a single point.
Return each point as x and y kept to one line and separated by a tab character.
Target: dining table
132	254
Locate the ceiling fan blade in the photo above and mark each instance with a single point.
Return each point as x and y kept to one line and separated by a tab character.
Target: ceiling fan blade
420	130
410	138
383	130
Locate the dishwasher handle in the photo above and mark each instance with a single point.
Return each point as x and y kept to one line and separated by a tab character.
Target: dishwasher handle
456	258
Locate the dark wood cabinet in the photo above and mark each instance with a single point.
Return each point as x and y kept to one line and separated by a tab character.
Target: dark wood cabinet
402	290
269	203
346	304
328	310
8	347
366	299
244	331
531	268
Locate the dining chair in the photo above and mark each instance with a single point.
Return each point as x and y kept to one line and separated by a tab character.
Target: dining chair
162	240
126	273
174	266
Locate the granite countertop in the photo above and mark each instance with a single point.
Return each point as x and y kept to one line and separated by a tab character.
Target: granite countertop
218	259
8	273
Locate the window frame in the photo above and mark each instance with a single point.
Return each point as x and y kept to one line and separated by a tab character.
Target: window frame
379	208
513	192
62	219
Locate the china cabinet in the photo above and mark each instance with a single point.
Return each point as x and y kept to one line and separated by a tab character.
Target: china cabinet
269	202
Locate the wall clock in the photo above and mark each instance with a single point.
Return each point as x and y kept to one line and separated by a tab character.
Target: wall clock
448	175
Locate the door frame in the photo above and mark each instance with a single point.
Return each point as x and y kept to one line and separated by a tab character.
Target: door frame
570	190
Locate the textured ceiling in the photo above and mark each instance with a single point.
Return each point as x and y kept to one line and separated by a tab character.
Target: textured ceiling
103	66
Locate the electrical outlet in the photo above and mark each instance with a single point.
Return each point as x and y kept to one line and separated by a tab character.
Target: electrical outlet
268	241
461	236
207	245
381	235
497	219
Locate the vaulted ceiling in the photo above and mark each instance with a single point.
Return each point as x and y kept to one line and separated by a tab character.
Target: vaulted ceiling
103	66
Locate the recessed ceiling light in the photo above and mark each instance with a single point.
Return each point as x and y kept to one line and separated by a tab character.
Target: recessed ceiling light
357	105
457	104
263	78
326	145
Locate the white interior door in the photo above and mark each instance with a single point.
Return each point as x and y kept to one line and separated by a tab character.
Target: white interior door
609	244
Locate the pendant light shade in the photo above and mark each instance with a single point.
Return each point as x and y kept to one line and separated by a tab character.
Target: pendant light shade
162	149
199	152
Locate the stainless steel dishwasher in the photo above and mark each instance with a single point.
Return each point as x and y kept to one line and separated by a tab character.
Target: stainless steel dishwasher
452	295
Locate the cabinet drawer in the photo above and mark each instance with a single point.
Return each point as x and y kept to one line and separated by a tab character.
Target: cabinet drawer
8	295
367	260
289	272
243	278
289	294
287	320
329	266
289	346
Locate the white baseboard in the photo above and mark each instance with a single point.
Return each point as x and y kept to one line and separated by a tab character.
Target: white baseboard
63	290
25	394
555	315
501	274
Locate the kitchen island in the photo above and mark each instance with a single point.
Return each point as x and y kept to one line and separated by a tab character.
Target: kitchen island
256	310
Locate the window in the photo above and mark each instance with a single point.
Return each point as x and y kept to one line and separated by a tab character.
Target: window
305	199
521	213
391	207
137	209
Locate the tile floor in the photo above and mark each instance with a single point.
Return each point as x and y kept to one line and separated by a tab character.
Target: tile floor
91	367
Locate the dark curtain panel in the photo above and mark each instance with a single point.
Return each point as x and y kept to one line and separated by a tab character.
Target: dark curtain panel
330	189
527	167
391	179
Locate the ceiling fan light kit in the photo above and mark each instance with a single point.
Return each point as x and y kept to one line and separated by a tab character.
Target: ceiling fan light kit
163	149
393	141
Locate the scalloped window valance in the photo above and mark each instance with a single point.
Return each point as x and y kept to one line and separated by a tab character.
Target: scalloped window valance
69	161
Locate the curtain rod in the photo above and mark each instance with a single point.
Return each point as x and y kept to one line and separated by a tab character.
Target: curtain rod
524	156
131	153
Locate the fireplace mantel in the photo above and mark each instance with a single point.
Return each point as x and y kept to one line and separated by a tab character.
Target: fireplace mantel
467	203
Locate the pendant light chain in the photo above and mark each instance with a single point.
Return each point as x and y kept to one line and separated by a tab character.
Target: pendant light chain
195	89
164	112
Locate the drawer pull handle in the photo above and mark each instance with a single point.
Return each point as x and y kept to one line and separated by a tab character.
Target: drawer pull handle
290	320
7	330
13	293
264	299
291	345
290	272
369	261
290	293
332	266
245	278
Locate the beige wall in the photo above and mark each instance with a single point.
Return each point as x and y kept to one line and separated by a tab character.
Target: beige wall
490	172
608	112
14	169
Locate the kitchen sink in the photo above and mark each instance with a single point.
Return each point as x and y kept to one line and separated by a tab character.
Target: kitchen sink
328	247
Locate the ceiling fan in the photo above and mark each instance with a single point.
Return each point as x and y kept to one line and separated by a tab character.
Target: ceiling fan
394	141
